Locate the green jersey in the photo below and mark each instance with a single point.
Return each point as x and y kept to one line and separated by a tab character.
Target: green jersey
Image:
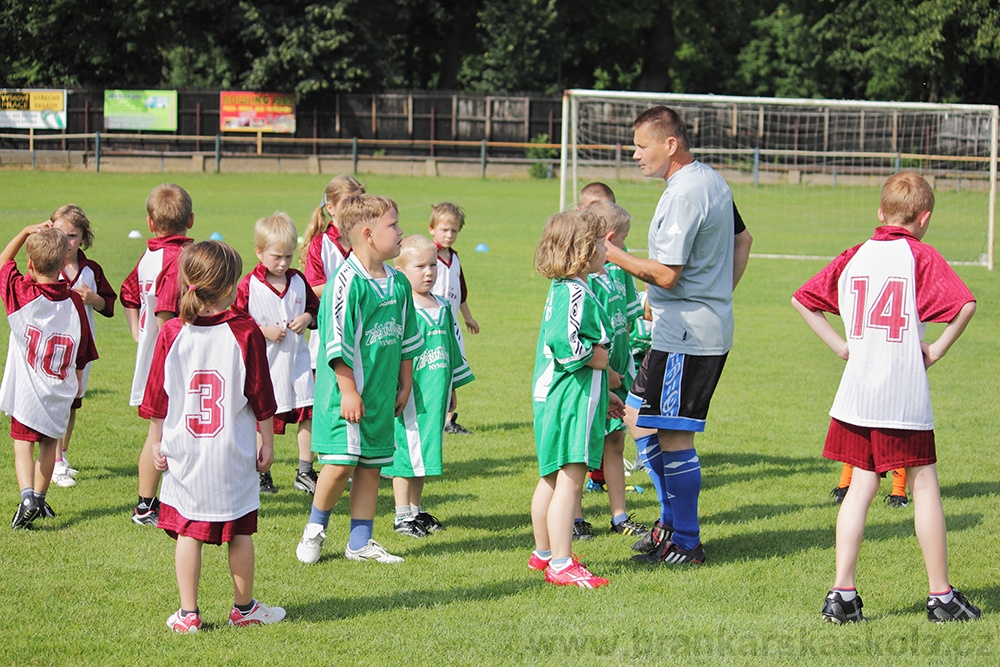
641	337
570	399
437	369
371	325
615	290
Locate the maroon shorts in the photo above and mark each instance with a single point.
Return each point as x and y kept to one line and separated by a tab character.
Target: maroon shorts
19	431
213	532
296	416
878	449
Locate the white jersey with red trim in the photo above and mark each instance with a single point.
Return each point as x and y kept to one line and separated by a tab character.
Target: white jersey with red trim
325	256
91	275
288	360
49	340
448	285
209	383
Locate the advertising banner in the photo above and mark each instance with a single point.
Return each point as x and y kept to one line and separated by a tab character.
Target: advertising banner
29	108
256	112
140	110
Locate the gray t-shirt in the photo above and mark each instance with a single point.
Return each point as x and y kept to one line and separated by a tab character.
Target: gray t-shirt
693	227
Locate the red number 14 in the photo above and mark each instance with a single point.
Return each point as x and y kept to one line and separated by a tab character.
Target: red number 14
887	312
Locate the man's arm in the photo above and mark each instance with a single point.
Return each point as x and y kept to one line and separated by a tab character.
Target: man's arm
647	270
741	255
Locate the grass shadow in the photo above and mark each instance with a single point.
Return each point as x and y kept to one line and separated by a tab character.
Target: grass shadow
970	489
730	468
490	467
748	513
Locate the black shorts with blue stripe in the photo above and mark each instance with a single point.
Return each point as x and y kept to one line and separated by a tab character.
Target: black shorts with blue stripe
673	390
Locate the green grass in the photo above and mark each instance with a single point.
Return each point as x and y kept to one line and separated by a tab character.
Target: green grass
91	588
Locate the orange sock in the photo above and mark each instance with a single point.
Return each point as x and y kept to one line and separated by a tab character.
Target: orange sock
899	482
845	476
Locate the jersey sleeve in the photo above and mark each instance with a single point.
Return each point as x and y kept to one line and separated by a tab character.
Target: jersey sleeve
572	330
463	290
257	388
679	223
314	271
738	225
9	276
241	304
154	400
821	291
168	289
312	301
87	351
633	306
461	374
940	292
104	289
413	340
341	316
130	296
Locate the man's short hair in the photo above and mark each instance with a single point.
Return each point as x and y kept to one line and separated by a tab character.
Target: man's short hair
663	122
905	196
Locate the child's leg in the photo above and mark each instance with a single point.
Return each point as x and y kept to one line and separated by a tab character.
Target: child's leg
614	473
851	525
24	464
401	491
43	466
845	476
559	517
416	493
304	441
64	441
899	482
364	493
187	565
540	502
149	476
241	561
330	485
928	521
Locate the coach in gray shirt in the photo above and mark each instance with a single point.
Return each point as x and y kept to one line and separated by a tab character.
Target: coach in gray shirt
697	254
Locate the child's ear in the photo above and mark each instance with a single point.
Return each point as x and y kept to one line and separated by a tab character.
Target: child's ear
923	218
149	223
190	221
881	216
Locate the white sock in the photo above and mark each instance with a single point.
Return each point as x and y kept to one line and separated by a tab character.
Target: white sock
847	594
945	598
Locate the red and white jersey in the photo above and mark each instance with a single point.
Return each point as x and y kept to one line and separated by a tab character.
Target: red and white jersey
325	256
209	383
49	340
291	372
92	275
156	272
450	283
885	290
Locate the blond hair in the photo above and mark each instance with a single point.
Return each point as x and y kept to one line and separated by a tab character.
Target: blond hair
339	188
447	211
75	216
594	192
905	196
662	122
569	244
358	210
47	250
209	272
616	219
169	207
275	230
411	245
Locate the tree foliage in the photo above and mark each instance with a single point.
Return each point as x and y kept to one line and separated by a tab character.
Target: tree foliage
933	50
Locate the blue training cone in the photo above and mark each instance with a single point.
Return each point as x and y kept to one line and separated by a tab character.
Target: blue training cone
215	236
482	247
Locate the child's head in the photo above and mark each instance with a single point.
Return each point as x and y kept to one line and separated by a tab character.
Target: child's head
47	250
337	190
274	240
371	221
209	272
616	219
418	262
904	197
572	245
169	209
594	192
72	221
446	221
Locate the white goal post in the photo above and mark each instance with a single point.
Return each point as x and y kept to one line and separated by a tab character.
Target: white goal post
811	143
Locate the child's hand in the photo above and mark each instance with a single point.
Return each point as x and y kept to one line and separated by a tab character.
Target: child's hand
471	325
274	334
300	323
930	358
159	460
34	229
90	297
616	408
402	396
352	408
614	379
265	457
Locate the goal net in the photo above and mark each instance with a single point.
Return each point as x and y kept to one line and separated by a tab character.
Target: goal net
806	174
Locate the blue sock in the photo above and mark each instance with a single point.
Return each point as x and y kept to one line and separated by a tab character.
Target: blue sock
621	518
682	483
544	555
319	516
361	532
652	458
560	564
27	492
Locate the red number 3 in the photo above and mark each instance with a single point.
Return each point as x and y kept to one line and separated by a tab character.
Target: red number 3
210	387
887	313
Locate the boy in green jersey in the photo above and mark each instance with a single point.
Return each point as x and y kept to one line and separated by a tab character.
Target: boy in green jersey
368	337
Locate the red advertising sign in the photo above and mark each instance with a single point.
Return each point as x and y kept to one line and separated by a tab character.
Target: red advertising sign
241	111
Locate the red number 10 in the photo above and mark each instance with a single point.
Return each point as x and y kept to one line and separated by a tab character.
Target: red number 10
57	357
886	313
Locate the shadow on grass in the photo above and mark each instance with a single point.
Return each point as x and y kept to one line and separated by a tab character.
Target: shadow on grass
987	599
970	489
751	513
336	609
503	426
490	467
724	468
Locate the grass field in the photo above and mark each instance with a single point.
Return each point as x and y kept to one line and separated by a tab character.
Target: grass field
92	588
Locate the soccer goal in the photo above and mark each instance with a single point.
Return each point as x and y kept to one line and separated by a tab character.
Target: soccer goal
806	174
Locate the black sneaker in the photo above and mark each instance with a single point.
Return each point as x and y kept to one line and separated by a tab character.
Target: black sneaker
46	512
305	481
454	427
630	527
959	609
27	511
582	530
838	494
409	527
836	610
147	516
267	484
669	553
652	539
897	501
429	522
